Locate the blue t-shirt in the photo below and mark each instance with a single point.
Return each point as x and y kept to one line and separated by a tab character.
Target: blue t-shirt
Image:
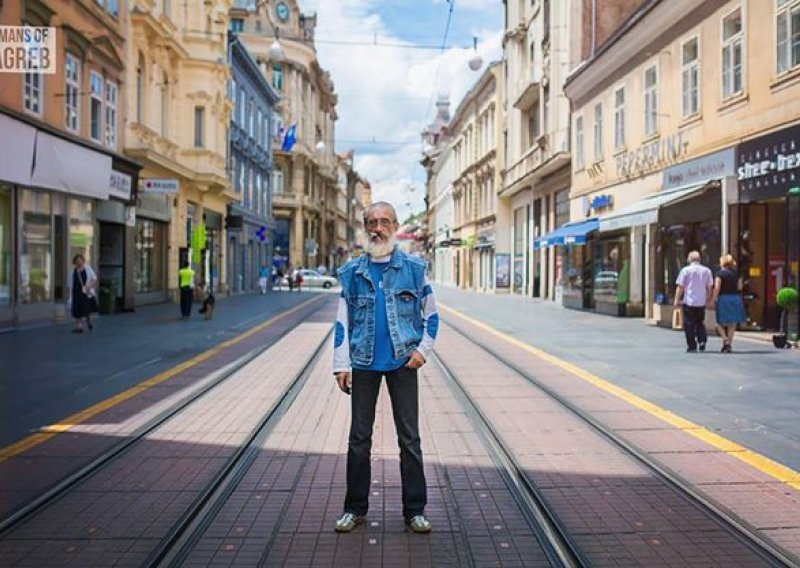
383	359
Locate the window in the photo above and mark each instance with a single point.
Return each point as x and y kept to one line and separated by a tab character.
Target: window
150	263
257	194
33	87
164	105
619	118
237	25
277	77
199	126
598	131
259	125
690	78
112	6
277	180
787	32
241	107
96	106
140	89
650	101
72	93
251	115
534	128
732	38
579	143
111	114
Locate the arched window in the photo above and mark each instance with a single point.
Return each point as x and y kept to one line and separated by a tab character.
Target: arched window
140	71
164	105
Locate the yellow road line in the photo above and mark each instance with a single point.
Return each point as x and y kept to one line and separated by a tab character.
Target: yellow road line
760	462
49	432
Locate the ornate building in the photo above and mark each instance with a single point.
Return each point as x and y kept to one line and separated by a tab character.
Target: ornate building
304	182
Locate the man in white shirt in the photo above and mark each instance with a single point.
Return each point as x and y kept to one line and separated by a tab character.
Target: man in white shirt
695	283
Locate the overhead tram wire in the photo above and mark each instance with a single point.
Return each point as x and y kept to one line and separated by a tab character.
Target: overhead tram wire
452	4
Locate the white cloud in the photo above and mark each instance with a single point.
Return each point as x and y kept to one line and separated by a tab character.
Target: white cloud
386	94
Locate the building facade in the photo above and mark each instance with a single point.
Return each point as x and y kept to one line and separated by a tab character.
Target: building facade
476	152
65	187
177	127
685	135
540	51
249	223
304	182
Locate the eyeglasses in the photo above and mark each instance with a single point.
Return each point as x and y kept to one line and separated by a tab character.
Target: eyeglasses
384	222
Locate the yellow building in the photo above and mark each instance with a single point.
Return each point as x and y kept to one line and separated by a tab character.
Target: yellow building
305	176
65	187
476	149
684	137
178	116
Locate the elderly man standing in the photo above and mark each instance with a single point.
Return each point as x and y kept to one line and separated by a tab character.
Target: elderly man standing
385	327
695	283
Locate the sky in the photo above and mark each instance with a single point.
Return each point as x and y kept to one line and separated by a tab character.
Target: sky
387	94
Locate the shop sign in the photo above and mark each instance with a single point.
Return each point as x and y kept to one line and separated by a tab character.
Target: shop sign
713	166
652	155
601	201
27	49
769	166
455	242
444	244
160	185
119	185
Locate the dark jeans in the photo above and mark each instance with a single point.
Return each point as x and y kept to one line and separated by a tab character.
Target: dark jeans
403	390
186	301
694	326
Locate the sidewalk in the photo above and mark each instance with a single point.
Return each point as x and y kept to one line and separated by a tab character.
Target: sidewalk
750	397
49	373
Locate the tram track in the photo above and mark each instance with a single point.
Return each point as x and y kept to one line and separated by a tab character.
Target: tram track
118	450
559	547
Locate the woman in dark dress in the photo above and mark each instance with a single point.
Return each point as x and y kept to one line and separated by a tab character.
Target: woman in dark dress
84	282
728	301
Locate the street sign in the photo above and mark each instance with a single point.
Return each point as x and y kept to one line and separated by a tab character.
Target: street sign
455	242
159	185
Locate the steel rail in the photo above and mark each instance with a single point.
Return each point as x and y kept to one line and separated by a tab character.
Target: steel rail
748	535
554	539
56	491
189	529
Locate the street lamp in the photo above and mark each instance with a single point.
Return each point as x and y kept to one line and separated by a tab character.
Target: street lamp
320	146
476	61
276	52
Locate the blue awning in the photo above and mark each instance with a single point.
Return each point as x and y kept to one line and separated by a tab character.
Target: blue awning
574	233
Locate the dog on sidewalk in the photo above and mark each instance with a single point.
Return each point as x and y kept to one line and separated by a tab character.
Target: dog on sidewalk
208	307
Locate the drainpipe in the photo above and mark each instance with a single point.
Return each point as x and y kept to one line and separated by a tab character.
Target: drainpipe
594	28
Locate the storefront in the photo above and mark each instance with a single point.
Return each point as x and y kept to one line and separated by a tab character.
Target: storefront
250	242
765	224
153	215
48	213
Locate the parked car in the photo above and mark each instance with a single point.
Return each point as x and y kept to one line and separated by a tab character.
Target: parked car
314	279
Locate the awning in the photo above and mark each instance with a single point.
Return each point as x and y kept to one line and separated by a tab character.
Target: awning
65	166
574	233
16	150
645	212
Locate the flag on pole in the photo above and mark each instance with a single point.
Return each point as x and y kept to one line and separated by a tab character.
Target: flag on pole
289	138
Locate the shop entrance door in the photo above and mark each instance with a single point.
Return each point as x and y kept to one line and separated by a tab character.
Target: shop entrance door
762	252
111	261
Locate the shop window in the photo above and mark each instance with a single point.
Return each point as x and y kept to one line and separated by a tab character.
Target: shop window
36	248
6	254
690	77
72	90
81	228
673	244
732	61
787	34
150	264
611	257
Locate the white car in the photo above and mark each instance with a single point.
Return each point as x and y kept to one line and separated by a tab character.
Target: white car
314	279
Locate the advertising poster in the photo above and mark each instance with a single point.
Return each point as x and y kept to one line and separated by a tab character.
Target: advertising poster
502	270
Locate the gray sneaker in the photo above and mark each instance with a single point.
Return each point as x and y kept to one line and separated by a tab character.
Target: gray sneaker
347	522
419	524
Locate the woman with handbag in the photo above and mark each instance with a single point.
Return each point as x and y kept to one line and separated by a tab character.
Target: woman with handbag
84	302
728	301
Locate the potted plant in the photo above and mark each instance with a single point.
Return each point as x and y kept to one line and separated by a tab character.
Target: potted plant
787	298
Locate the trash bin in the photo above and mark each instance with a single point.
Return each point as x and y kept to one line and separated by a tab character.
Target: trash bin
107	296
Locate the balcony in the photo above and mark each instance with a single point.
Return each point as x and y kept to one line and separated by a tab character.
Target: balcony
529	162
528	89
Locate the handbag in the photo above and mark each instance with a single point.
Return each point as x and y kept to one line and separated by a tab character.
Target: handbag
677	318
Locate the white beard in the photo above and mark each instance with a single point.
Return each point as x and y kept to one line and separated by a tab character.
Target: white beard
377	247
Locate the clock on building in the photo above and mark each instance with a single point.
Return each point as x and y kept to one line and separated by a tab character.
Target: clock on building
282	11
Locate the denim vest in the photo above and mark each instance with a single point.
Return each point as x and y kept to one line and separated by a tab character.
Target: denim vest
403	282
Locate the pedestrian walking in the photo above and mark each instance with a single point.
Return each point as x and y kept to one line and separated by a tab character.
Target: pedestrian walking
298	280
291	274
728	301
83	297
186	285
263	278
385	327
695	284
